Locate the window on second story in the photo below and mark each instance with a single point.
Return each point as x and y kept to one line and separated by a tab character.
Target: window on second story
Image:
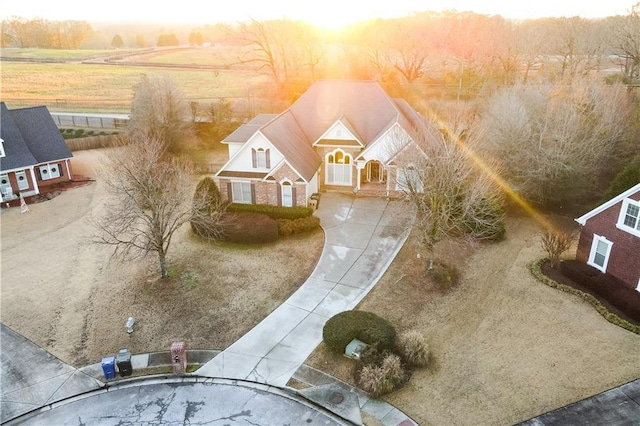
629	219
260	158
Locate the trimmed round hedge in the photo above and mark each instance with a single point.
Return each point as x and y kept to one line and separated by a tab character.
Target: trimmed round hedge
342	328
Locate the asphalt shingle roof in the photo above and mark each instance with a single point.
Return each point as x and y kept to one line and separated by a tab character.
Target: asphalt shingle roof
30	137
362	106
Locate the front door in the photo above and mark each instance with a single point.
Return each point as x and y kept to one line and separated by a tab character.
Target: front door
375	172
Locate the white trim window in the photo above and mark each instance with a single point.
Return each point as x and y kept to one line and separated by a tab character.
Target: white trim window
49	171
409	180
287	193
23	182
260	158
241	192
599	254
338	168
629	219
5	186
2	154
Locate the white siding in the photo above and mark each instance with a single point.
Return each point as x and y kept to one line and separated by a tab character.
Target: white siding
233	148
387	145
338	131
243	161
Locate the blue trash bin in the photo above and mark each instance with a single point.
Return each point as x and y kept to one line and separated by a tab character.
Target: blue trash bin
109	367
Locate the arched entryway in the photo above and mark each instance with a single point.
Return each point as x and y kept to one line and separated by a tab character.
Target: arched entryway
338	168
374	172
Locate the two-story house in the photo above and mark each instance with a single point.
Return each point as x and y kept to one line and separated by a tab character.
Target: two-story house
342	135
33	154
610	237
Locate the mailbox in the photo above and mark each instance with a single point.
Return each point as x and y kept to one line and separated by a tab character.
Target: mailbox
179	358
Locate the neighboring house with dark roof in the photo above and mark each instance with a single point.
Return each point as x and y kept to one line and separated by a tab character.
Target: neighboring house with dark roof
33	154
610	237
342	135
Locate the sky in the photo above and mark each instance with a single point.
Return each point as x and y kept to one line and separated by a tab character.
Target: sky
328	13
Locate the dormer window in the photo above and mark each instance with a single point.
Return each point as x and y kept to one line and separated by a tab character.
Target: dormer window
260	158
629	219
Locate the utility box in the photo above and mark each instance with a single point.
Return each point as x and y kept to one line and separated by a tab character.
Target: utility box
123	361
354	349
179	357
109	367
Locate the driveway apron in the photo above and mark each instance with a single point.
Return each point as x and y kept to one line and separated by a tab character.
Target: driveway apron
362	237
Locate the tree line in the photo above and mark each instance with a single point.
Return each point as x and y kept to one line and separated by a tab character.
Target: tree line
408	49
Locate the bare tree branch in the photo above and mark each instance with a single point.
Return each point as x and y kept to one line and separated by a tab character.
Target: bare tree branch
148	200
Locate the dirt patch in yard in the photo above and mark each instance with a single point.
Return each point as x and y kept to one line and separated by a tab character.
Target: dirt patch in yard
70	297
505	347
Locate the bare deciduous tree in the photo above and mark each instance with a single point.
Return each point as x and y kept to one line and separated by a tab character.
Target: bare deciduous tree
149	200
159	106
555	243
624	37
553	139
450	194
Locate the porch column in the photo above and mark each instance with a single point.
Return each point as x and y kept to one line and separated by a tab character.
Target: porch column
35	182
66	163
359	166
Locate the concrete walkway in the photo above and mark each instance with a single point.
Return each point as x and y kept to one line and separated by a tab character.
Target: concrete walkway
362	237
32	377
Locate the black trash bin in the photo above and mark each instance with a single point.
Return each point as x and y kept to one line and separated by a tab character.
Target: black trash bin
123	361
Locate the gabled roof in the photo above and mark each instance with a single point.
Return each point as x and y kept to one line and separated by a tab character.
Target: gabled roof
362	104
17	153
244	132
582	220
287	136
30	137
362	107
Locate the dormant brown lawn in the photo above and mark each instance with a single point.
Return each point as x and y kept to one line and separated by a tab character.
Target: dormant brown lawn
504	346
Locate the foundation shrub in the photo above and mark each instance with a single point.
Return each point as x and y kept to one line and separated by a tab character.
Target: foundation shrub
342	328
206	197
298	226
251	228
274	212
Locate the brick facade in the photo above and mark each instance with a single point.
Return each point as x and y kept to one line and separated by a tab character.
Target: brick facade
624	258
267	192
65	176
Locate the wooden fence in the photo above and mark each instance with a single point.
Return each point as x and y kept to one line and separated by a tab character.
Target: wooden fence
92	142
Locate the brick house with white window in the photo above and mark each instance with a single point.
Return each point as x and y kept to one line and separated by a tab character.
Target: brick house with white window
341	135
610	237
33	154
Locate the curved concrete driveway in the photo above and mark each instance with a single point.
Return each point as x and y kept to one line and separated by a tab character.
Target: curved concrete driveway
362	236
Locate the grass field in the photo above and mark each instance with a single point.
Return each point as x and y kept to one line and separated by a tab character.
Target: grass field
101	87
60	54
